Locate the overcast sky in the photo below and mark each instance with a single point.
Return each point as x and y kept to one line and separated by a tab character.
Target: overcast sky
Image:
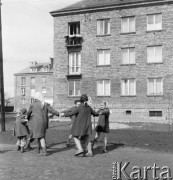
27	32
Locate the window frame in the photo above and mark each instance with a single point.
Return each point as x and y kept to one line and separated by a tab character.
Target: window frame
154	14
155	62
109	27
23	101
123	87
31	81
75	60
103	57
23	79
103	95
44	79
44	90
32	94
69	25
155	94
34	69
74	87
23	91
128	32
128	48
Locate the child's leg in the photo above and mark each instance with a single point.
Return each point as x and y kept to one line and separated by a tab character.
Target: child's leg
105	142
23	143
97	135
69	138
89	146
38	146
79	146
43	145
18	143
30	140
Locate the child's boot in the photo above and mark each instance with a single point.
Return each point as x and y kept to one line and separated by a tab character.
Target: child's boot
18	148
22	149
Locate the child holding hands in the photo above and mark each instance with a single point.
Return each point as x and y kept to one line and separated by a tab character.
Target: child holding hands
21	129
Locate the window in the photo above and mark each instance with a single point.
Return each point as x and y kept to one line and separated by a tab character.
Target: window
154	22
127	24
32	80
155	113
23	91
32	92
155	86
23	100
128	87
23	80
45	69
154	54
32	100
103	88
128	55
44	79
33	69
103	57
74	87
44	90
103	27
74	63
74	28
128	112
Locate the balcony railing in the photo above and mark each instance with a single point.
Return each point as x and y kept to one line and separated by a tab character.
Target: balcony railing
74	40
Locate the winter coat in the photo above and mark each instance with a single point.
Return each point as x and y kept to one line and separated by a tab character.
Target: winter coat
103	120
38	112
82	125
20	127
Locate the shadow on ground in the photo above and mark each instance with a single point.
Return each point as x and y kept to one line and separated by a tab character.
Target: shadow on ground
4	151
110	147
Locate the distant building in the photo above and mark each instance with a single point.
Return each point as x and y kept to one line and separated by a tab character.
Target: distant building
119	51
38	77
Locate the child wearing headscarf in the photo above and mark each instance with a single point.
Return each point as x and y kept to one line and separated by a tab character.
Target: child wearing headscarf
38	112
20	129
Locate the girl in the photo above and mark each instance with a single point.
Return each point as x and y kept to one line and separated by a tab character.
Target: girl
103	124
21	130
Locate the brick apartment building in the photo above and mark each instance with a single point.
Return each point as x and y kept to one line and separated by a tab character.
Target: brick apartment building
120	51
38	77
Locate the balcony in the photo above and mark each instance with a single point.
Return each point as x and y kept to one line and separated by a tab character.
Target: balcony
74	40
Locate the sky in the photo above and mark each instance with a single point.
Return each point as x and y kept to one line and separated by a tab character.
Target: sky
27	34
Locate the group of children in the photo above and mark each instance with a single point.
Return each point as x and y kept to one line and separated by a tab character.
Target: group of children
81	125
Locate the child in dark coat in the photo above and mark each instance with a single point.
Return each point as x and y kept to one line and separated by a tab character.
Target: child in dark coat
73	118
21	130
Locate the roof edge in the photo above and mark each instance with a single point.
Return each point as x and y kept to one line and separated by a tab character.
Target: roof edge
30	73
109	7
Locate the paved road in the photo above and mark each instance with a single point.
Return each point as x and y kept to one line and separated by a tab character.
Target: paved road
61	164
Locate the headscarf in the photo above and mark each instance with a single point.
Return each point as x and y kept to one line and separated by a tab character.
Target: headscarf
38	96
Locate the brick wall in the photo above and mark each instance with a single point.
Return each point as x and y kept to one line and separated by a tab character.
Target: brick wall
141	103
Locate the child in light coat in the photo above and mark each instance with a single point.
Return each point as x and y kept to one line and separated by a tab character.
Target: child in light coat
21	129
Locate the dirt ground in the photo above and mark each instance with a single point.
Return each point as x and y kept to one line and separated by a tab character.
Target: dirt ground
141	144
